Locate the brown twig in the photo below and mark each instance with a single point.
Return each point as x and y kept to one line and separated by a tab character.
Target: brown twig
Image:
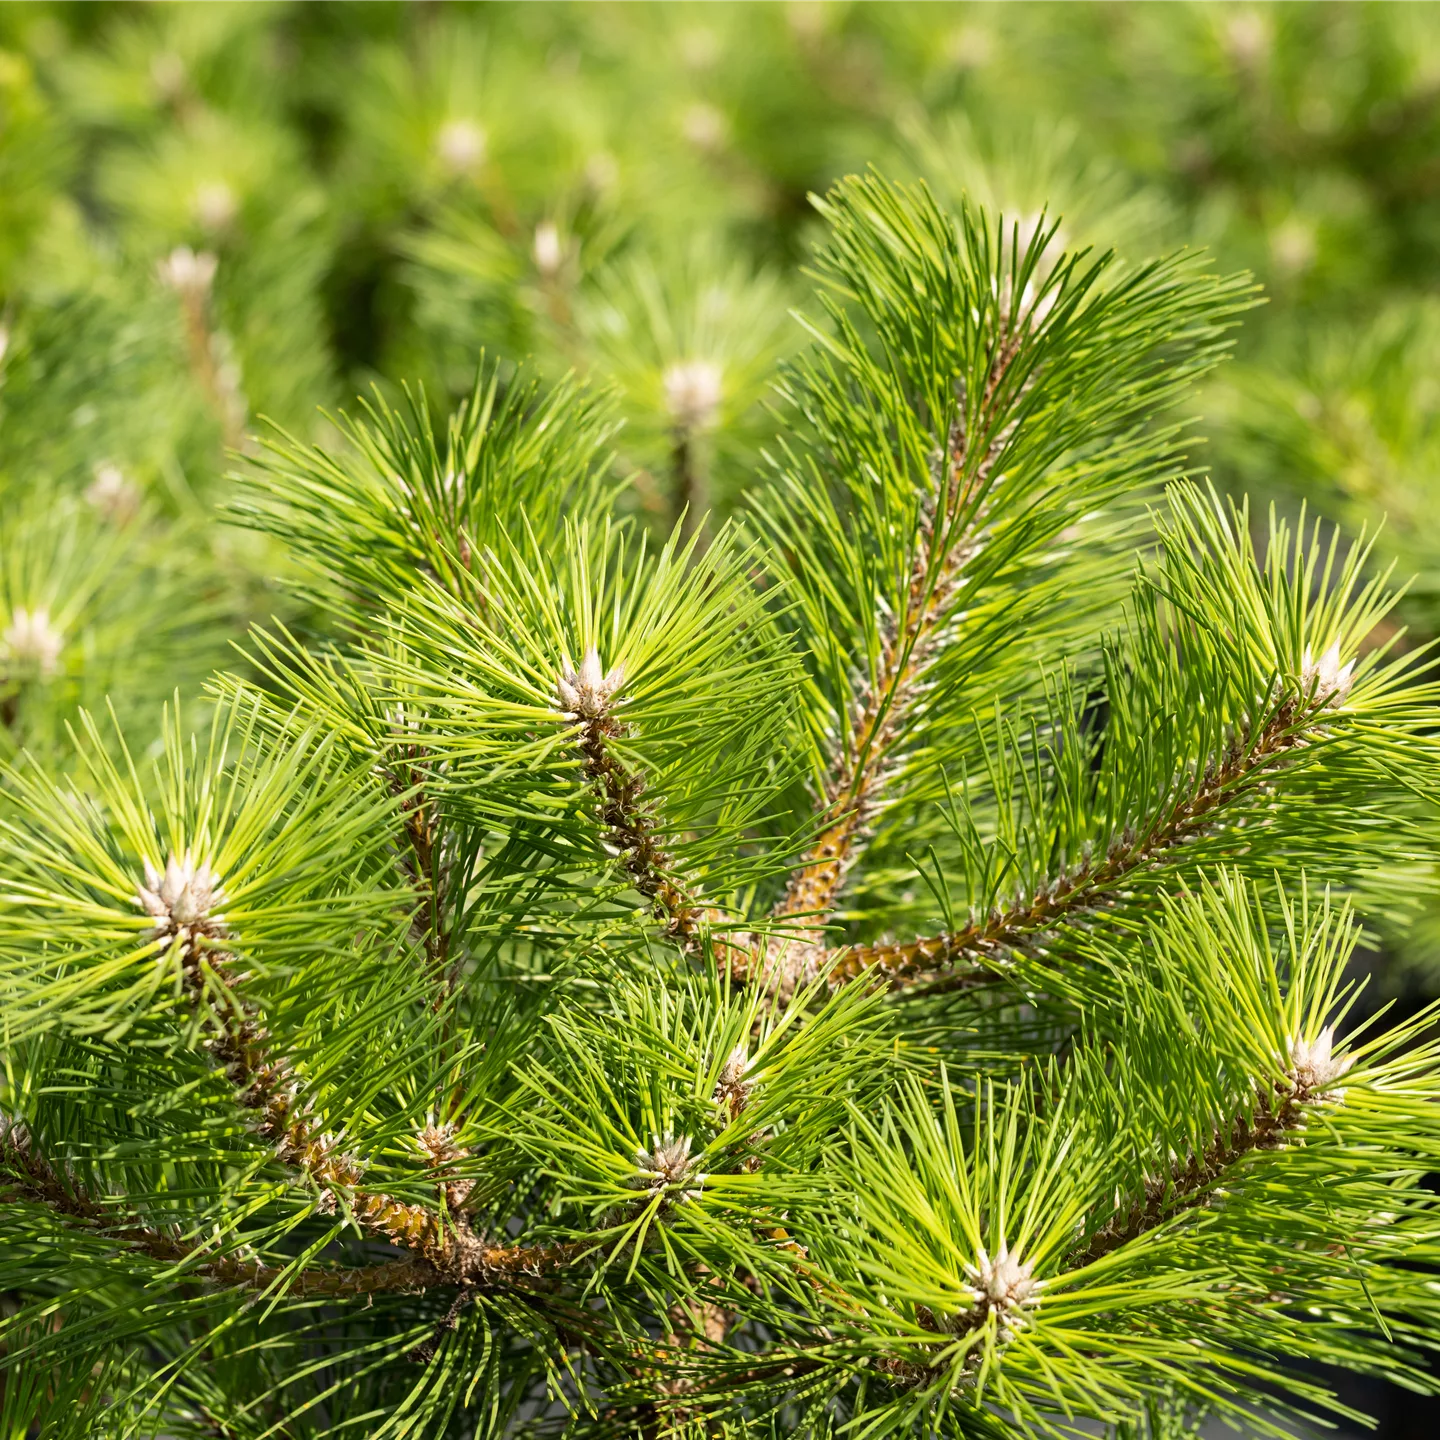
986	943
630	821
692	490
1188	1183
192	276
953	529
423	872
33	1179
264	1085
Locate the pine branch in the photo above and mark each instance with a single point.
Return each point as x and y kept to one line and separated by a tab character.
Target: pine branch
1253	1109
953	524
589	696
191	276
34	1180
748	1219
969	957
1188	1185
701	1323
692	490
422	869
263	1084
447	1250
454	1254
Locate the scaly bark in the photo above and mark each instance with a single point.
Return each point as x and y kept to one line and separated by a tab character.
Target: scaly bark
630	821
34	1180
264	1084
422	868
1189	1182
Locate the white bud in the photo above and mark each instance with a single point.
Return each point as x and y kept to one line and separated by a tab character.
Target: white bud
112	493
806	19
704	127
732	1089
699	48
31	641
589	693
187	272
1326	681
969	47
437	1143
693	391
1314	1066
461	146
1292	246
1247	38
732	1072
668	1167
215	206
548	252
1023	230
180	900
1002	1285
4	342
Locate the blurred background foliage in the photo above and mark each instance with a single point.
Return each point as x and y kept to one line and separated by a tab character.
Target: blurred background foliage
214	216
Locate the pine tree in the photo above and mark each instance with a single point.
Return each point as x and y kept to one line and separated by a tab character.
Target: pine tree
883	963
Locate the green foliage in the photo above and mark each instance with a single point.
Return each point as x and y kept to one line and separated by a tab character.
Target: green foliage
777	859
1193	1053
393	503
927	368
276	828
424	1048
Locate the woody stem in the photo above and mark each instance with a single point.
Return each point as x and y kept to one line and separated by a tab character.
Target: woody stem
422	870
200	340
692	497
631	826
951	536
966	957
1188	1183
33	1179
447	1245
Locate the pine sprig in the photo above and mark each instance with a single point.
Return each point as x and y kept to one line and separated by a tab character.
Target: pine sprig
400	502
530	998
1229	691
1170	1168
957	431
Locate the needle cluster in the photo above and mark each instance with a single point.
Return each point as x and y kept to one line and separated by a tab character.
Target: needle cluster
897	979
